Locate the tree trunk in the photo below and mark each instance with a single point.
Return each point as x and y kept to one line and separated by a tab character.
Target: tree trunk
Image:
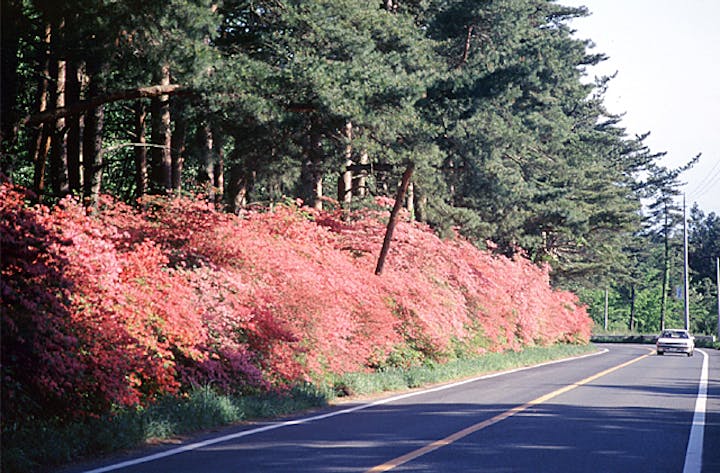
360	180
420	204
312	177
141	170
161	136
74	130
93	155
58	154
241	177
451	179
206	176
399	197
92	139
410	200
345	184
219	169
177	153
41	141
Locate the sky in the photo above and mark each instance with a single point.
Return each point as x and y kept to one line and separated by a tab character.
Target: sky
666	54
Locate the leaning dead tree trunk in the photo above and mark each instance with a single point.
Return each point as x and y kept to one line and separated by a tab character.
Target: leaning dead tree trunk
393	216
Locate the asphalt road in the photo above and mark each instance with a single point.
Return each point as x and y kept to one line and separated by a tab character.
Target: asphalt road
625	410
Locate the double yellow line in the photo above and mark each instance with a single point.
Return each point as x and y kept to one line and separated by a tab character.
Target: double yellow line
494	420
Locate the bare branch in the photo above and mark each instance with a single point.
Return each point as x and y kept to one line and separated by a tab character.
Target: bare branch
85	105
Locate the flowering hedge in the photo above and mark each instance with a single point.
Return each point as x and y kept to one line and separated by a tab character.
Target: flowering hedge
117	307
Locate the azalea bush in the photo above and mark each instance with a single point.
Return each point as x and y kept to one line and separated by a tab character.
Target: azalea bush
123	305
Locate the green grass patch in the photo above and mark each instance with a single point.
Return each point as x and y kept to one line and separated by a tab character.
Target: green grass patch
396	379
44	443
39	444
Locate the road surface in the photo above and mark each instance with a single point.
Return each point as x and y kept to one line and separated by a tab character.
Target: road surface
624	410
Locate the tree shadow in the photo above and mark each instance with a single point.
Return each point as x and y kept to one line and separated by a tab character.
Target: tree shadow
548	437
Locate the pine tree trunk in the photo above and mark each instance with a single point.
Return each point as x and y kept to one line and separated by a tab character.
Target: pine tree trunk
410	200
178	156
93	155
312	177
74	130
241	178
451	179
420	204
92	139
360	180
41	141
58	155
345	183
161	136
219	169
141	164
177	153
206	176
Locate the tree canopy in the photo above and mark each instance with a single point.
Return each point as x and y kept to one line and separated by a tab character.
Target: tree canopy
258	101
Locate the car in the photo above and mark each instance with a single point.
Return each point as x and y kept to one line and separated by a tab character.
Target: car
675	341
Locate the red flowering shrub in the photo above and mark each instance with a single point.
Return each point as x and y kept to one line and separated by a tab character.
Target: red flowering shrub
117	307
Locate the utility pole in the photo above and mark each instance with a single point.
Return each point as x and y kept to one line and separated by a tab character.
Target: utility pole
686	277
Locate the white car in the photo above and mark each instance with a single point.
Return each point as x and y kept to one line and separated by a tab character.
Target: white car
675	341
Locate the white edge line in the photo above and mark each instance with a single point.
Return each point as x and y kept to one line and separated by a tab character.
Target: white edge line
266	428
693	455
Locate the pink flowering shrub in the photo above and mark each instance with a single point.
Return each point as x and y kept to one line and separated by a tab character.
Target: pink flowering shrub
120	306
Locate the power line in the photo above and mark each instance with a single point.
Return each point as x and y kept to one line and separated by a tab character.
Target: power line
707	184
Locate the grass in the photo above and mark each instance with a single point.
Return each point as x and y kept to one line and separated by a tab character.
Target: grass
395	379
40	444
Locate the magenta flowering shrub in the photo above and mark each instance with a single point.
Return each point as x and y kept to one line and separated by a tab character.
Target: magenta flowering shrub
116	307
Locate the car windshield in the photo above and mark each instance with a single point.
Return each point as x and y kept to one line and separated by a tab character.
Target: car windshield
674	334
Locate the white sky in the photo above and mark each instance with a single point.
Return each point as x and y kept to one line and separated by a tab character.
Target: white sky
667	57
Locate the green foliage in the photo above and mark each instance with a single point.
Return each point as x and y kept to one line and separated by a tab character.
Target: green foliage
490	101
704	249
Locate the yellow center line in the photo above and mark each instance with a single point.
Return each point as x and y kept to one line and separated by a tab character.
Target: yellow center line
494	420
